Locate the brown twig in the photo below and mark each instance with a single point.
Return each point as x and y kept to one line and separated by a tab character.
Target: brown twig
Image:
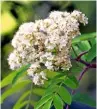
83	53
87	66
91	65
80	77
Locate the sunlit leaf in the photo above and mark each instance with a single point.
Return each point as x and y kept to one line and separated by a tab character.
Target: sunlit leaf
43	101
47	105
49	73
58	103
84	45
12	77
8	79
19	73
65	95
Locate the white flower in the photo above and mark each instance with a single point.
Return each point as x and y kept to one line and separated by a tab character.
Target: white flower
80	16
35	65
24	35
14	60
49	66
27	28
43	75
36	79
35	43
49	56
30	72
50	47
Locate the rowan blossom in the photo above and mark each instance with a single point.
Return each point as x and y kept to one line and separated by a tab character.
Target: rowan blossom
46	44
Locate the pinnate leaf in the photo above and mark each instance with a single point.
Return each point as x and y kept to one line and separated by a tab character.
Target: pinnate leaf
91	54
43	101
14	89
71	82
58	103
65	95
47	104
12	77
83	37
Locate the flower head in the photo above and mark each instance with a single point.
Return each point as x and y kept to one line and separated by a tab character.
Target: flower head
46	43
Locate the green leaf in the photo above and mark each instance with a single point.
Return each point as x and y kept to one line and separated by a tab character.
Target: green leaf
56	81
72	54
7	80
83	37
58	103
38	91
91	54
43	101
18	103
92	41
11	77
22	104
46	94
58	78
71	82
76	67
25	103
65	95
84	46
51	88
47	104
14	89
77	51
49	73
19	73
84	98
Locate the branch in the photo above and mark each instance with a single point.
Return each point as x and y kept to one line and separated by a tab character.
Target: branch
78	59
87	66
80	77
91	65
83	53
67	107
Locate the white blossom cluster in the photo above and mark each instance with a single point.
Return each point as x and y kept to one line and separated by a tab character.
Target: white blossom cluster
46	44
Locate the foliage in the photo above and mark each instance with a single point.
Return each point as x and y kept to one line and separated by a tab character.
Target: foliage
55	92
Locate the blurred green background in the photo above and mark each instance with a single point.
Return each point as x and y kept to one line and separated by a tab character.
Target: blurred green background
14	13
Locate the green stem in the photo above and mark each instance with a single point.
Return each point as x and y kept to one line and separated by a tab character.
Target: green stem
29	99
60	84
